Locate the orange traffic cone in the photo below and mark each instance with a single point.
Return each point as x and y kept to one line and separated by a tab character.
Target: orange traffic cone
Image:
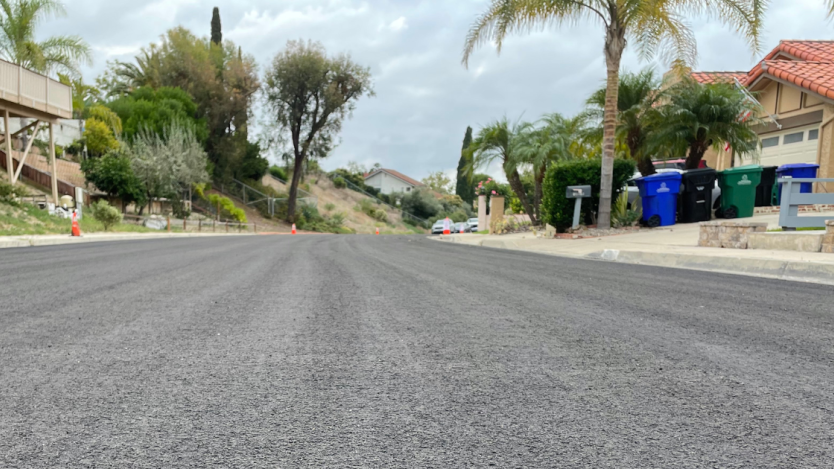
446	227
76	230
377	230
293	228
461	228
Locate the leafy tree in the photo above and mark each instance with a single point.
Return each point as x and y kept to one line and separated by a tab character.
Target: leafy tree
653	25
499	141
421	203
253	166
637	97
438	182
99	138
18	44
216	29
308	95
168	163
464	187
697	117
104	114
156	110
113	174
221	80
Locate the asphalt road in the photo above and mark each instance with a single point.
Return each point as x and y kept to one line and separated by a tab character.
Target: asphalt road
387	351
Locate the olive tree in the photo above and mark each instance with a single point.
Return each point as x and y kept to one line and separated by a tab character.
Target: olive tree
307	96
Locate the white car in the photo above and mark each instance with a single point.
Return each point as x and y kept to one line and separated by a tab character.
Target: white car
473	224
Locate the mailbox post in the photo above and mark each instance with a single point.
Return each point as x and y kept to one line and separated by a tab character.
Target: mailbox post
578	193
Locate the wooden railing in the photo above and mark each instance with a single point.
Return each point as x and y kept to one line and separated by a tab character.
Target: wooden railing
42	179
33	90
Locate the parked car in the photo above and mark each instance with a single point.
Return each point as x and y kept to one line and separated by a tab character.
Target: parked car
439	225
675	164
464	225
473	224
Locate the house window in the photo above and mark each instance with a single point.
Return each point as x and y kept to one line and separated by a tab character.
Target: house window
814	134
793	138
408	189
770	142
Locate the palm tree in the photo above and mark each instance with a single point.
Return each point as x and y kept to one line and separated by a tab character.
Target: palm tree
653	25
124	77
697	117
557	139
18	21
498	141
637	97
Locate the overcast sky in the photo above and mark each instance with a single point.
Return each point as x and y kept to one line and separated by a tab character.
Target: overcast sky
424	97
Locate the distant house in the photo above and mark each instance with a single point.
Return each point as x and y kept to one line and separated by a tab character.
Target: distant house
389	181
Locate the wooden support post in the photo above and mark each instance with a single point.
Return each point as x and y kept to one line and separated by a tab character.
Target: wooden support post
54	163
26	153
169	223
184	226
9	160
213	226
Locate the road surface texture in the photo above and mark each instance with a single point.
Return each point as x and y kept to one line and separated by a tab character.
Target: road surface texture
387	351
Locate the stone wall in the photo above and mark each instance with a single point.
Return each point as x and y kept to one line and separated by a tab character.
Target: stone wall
728	234
828	238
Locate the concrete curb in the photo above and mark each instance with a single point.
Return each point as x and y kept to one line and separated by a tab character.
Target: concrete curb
34	241
796	271
800	271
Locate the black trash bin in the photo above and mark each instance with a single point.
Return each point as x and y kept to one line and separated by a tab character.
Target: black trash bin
764	193
696	195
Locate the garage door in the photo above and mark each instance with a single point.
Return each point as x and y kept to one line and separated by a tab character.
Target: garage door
797	145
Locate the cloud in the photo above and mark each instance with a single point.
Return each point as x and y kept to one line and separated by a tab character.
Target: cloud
424	98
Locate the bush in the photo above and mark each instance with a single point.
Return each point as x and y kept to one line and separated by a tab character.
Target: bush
421	203
380	215
621	215
278	172
107	215
339	182
557	209
329	206
9	192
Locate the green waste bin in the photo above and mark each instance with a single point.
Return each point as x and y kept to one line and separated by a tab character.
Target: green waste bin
738	190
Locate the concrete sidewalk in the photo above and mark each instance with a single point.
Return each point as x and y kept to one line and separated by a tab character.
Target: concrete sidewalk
675	246
50	240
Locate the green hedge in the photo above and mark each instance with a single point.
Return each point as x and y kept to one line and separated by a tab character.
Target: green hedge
557	210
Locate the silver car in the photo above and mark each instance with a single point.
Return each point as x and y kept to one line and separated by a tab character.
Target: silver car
473	224
439	226
462	227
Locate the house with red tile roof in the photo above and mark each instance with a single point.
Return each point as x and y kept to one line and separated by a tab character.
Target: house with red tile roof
795	85
389	181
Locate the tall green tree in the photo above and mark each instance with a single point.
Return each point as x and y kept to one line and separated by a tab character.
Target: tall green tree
637	99
156	110
113	174
498	141
463	186
696	117
216	28
308	95
652	25
438	182
18	21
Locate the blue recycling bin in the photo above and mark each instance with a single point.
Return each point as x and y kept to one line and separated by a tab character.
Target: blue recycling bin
797	171
659	194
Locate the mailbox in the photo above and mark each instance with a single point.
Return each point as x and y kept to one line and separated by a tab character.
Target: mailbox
578	193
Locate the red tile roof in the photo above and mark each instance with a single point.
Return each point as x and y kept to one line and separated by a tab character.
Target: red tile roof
718	77
818	77
807	64
397	175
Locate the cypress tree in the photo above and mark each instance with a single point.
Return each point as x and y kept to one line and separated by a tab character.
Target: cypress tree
464	186
216	30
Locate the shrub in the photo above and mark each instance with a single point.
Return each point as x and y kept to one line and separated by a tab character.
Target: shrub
108	216
621	215
329	206
504	225
557	209
421	203
278	172
9	192
380	215
339	182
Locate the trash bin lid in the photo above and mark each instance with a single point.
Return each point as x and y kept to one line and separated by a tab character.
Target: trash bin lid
700	176
670	176
785	167
750	168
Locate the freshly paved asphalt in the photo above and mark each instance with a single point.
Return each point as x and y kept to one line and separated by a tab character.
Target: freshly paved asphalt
384	351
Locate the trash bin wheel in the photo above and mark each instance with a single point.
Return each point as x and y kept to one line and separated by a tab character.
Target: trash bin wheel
653	221
731	213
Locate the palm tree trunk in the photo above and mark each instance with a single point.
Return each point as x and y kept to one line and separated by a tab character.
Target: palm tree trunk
614	46
515	183
646	167
537	198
